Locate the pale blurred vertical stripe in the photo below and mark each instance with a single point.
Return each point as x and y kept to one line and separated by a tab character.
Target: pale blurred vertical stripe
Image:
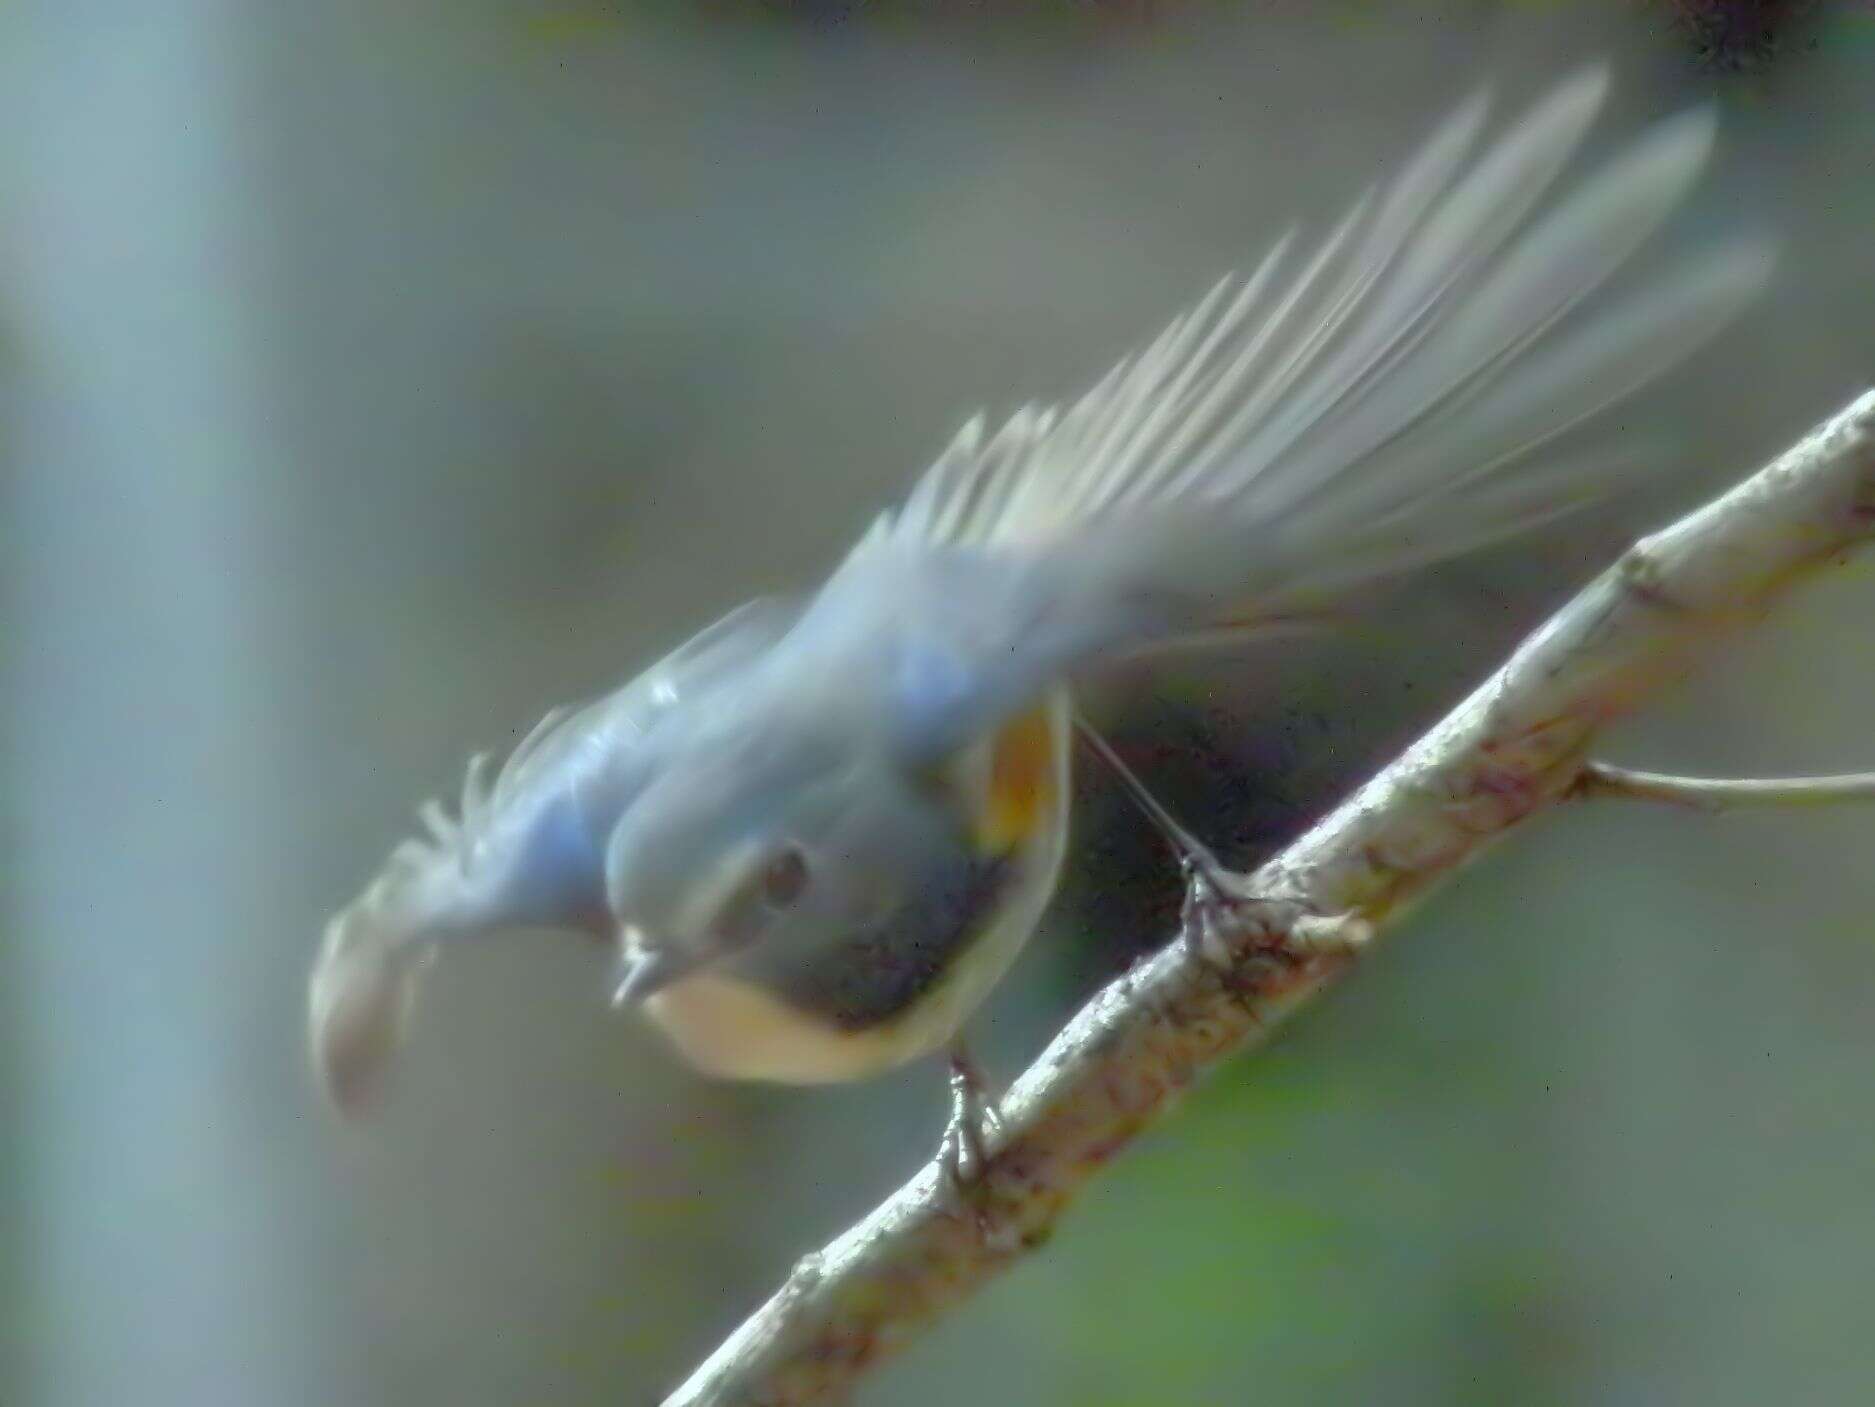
163	1261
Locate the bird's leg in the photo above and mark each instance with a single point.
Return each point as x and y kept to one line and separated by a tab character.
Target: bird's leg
962	1154
1210	889
1221	910
1194	856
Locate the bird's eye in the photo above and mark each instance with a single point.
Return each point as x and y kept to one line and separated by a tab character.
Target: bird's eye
784	878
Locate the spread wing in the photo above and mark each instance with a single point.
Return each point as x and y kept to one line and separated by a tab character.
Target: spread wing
1393	396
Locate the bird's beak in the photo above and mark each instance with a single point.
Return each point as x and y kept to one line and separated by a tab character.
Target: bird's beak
644	972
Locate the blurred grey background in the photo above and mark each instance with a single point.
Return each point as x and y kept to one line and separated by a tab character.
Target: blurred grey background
377	374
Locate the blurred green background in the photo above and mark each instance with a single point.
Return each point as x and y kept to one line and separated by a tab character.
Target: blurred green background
377	374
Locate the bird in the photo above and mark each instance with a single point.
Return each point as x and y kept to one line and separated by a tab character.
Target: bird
817	833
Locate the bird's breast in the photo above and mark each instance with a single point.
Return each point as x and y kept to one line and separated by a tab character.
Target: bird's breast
879	999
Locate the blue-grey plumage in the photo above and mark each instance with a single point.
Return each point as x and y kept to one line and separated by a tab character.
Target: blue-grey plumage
821	832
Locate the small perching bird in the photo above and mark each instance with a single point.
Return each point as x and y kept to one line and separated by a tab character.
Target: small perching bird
820	831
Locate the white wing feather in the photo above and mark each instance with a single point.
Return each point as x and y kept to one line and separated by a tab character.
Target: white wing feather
1362	406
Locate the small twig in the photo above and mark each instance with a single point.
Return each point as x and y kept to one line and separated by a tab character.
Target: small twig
1512	748
1715	794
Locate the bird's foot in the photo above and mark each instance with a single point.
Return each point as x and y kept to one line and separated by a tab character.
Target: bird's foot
963	1154
1225	921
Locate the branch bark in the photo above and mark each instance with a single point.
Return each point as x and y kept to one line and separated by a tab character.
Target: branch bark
1515	746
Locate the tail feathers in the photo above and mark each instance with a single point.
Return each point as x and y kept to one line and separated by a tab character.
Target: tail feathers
360	1001
362	994
363	989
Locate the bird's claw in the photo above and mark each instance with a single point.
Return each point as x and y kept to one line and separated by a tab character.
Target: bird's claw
963	1154
1224	921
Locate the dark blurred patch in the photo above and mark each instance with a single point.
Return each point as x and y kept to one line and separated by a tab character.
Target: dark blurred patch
1048	20
1037	15
1740	35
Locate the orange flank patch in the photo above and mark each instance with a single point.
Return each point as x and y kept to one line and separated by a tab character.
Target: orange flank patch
1022	782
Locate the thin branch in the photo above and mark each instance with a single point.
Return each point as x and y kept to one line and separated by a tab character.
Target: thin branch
1599	779
1513	747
